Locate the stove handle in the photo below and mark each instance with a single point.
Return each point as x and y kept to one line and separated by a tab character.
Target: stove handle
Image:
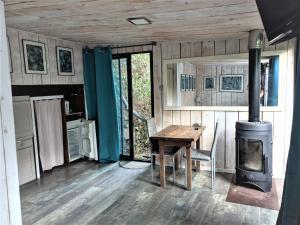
265	164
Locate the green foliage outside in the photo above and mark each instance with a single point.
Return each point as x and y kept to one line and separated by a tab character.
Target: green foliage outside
141	97
141	85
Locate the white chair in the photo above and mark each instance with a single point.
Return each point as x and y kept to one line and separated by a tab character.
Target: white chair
208	155
169	151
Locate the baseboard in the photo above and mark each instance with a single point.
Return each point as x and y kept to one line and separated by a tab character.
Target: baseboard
219	170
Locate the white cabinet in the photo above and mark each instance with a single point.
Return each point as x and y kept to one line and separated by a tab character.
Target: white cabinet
24	139
26	166
82	139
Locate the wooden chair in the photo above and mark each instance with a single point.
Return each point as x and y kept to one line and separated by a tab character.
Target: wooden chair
208	155
169	151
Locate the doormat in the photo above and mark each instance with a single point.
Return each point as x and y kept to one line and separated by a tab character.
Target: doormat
253	197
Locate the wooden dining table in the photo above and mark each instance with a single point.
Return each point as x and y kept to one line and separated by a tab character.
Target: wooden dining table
179	136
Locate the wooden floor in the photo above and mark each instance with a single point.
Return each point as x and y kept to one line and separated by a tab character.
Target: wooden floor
90	193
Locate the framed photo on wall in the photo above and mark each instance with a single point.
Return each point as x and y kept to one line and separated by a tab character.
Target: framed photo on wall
187	83
194	84
209	83
34	57
65	61
182	82
232	83
190	82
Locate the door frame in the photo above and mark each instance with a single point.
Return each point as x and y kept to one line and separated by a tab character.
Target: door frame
127	55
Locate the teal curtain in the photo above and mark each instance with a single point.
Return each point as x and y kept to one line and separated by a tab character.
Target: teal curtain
102	94
289	213
89	84
273	82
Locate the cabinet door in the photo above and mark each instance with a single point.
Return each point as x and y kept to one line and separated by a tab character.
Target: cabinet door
23	118
26	166
89	142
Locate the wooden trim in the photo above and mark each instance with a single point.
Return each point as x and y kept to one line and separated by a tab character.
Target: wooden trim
10	205
35	142
229	58
223	108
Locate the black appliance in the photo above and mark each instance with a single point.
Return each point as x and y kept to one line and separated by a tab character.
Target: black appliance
254	137
281	19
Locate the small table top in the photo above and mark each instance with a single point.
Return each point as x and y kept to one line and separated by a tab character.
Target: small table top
179	133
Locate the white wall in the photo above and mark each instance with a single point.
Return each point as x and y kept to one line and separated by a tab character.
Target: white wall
19	77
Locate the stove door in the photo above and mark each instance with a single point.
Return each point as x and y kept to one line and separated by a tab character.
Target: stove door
251	155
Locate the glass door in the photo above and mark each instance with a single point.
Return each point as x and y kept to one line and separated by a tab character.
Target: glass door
135	73
141	102
120	68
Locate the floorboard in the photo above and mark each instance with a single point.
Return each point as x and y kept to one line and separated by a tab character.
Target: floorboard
91	193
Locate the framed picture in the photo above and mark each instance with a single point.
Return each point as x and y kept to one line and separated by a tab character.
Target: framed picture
187	83
190	82
65	61
209	83
194	84
182	82
9	56
232	83
34	57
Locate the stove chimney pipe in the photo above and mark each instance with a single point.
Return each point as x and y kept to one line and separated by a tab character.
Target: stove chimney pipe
255	44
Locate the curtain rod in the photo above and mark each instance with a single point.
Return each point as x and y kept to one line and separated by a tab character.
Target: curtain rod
50	97
128	46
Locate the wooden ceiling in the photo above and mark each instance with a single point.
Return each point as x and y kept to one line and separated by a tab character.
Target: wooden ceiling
105	21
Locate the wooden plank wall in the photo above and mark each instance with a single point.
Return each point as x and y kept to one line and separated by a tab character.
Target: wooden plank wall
215	97
19	77
281	120
187	97
226	144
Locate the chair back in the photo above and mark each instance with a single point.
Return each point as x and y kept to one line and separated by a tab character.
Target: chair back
151	127
216	136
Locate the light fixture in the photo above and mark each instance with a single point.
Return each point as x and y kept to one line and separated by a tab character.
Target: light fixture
139	21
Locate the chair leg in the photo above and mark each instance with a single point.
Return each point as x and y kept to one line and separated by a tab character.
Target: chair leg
212	174
180	159
152	167
174	169
214	170
185	174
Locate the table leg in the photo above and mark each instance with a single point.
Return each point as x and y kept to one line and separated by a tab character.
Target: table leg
189	168
198	162
177	159
162	166
198	166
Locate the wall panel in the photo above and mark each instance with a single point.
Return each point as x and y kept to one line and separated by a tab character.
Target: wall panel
19	77
226	143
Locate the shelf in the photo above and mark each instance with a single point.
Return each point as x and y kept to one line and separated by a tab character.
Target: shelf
74	114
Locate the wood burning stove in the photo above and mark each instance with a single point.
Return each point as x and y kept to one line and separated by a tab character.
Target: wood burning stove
254	137
254	154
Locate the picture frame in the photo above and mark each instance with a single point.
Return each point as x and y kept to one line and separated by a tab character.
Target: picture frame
34	57
209	83
187	83
194	84
232	83
9	56
65	61
182	82
190	82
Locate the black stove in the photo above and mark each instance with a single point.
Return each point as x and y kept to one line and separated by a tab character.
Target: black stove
254	137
